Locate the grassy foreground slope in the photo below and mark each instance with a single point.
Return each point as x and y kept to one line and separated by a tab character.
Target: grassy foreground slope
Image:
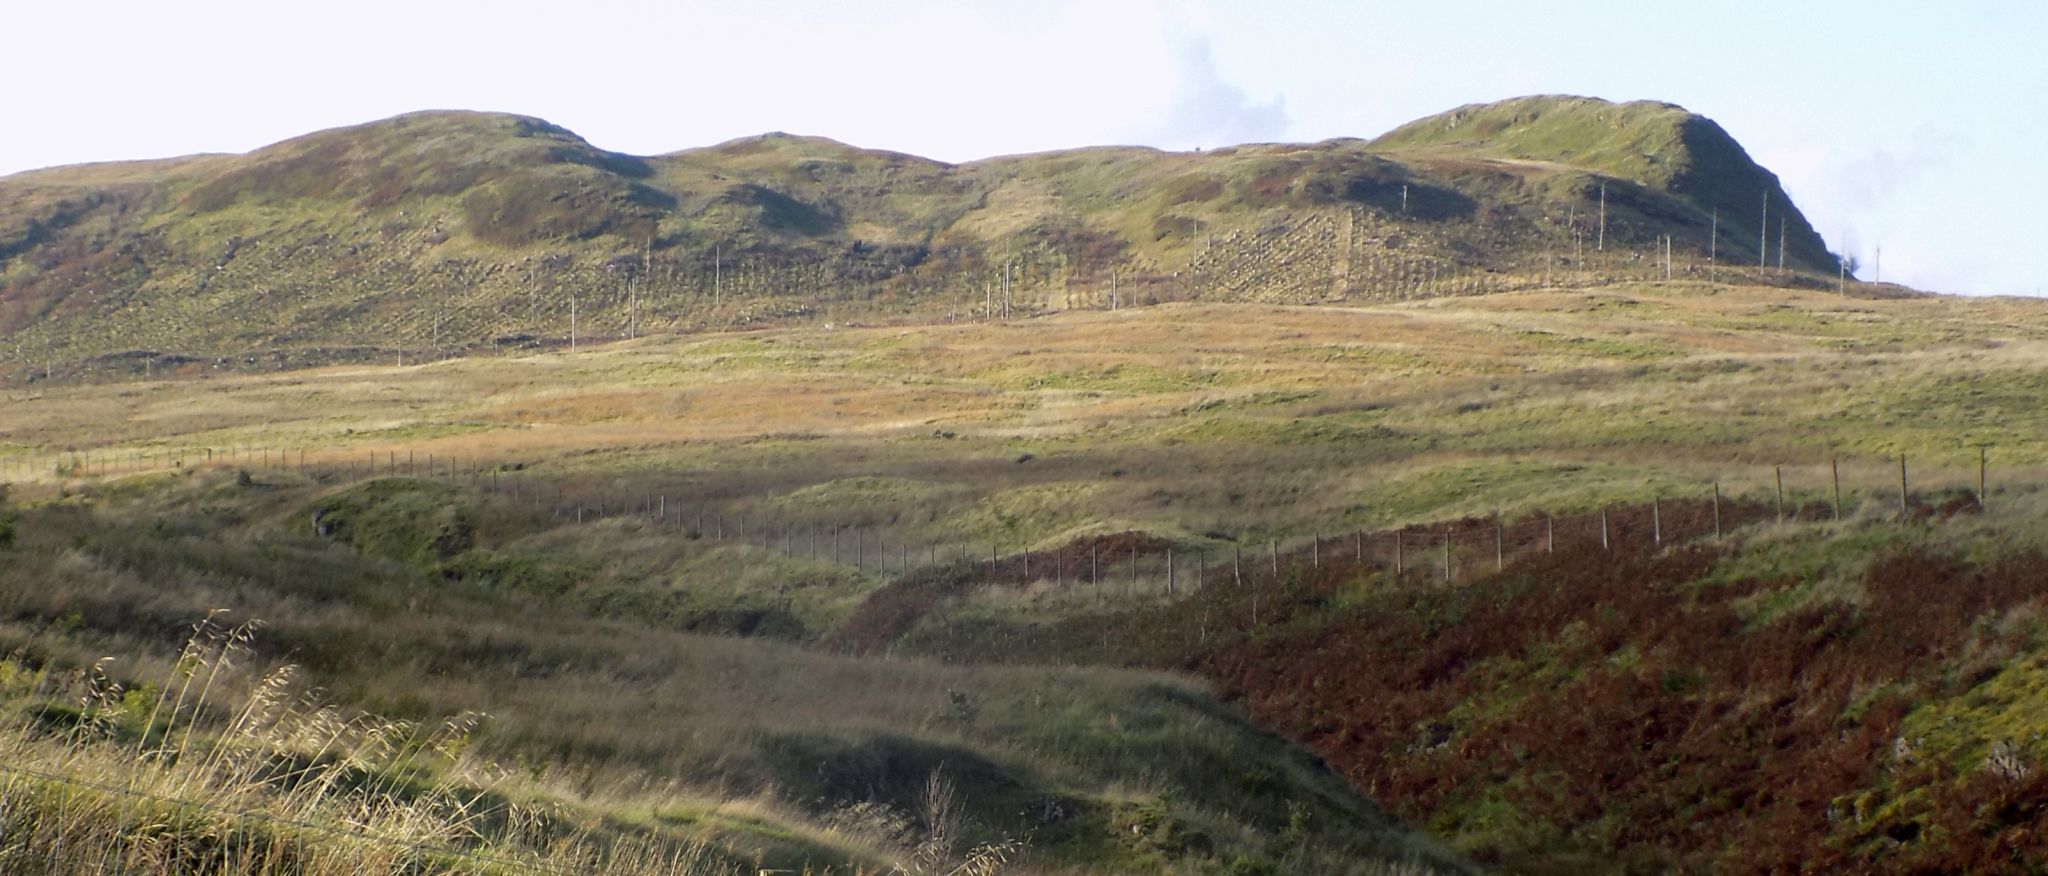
1742	698
613	733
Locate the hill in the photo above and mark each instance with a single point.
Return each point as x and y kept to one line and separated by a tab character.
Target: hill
1658	146
440	232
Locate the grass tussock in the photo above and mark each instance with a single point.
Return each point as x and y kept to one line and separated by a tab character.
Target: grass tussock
185	774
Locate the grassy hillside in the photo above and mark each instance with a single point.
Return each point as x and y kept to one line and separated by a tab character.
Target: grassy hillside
734	587
1181	421
1654	145
1852	696
605	730
436	233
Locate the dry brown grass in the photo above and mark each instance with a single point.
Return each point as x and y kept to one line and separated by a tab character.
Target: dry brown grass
1176	415
207	771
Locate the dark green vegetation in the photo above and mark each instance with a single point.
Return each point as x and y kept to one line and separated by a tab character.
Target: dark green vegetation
441	232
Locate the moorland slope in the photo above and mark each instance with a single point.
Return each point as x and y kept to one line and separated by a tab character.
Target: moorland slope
437	232
630	532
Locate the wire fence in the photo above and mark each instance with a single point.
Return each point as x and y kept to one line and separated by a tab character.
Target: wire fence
1129	562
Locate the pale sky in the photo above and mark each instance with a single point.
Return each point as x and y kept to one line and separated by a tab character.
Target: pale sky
1912	126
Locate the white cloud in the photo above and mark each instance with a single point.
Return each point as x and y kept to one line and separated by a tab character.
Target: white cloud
1207	110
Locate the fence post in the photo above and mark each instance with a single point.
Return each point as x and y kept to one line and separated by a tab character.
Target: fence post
1781	492
1605	543
1447	554
1717	509
1398	563
1549	534
1169	571
1835	466
1902	487
1237	564
1275	546
1656	522
1983	463
1315	551
1358	547
1095	565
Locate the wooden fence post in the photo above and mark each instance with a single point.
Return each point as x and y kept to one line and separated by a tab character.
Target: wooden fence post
1781	492
1447	554
1717	509
1656	522
1315	551
1605	543
1903	510
1398	560
1169	571
1983	463
1549	534
1835	468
